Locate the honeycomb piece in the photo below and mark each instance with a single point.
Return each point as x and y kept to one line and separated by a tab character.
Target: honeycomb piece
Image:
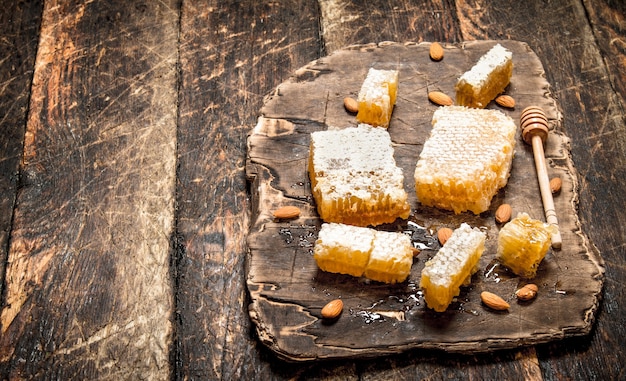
452	267
354	177
391	258
523	243
343	249
466	159
488	78
377	97
357	251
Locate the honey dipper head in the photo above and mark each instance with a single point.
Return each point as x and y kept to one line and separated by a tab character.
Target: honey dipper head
534	122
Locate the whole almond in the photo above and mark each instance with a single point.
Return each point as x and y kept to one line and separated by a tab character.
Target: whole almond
443	234
333	309
439	98
528	292
555	184
351	105
493	301
436	51
505	101
287	212
503	213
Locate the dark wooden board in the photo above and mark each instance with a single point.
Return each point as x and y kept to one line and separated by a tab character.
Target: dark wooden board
608	19
287	290
19	26
232	53
579	47
88	291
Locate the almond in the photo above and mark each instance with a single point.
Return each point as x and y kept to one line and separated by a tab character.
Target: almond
555	184
287	213
493	301
351	105
505	101
439	98
443	234
503	213
436	51
333	309
528	292
415	251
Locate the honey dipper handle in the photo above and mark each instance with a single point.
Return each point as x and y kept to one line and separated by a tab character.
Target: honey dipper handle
546	192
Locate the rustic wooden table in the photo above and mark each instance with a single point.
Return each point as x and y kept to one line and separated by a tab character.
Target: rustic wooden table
124	205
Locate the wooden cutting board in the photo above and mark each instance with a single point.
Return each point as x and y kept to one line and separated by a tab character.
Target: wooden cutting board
286	288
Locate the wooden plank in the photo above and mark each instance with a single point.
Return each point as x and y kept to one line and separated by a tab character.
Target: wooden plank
593	120
346	22
608	23
19	26
232	54
88	286
428	365
288	290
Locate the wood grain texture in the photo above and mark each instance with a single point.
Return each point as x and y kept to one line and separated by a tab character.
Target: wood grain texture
88	288
346	22
429	365
242	50
288	290
232	55
608	23
593	118
19	26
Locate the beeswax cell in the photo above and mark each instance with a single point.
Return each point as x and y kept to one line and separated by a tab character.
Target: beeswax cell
488	78
466	159
354	177
452	267
377	97
523	243
357	251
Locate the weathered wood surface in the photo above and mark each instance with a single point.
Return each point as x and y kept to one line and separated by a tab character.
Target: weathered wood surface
225	54
244	50
286	287
88	291
19	24
593	117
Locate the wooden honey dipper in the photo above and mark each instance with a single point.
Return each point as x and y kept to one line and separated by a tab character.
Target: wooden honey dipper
534	124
